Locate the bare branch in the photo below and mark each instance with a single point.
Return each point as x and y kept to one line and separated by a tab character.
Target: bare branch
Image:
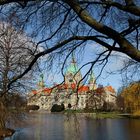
126	46
129	7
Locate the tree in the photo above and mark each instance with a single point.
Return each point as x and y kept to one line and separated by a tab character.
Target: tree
130	71
64	26
111	24
131	97
16	53
96	99
120	103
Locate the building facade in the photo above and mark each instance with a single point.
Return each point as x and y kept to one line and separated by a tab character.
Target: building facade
72	93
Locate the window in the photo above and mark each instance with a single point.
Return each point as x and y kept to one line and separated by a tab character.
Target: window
70	80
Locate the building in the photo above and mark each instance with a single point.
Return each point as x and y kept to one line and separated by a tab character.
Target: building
72	93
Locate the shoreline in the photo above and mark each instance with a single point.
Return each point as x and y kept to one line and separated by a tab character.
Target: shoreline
6	132
94	115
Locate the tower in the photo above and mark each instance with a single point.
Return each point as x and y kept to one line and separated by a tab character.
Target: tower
92	81
72	75
41	83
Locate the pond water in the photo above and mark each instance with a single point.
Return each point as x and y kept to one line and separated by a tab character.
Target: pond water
45	126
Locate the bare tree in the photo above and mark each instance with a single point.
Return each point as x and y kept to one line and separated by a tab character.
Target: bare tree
130	72
16	53
64	26
112	24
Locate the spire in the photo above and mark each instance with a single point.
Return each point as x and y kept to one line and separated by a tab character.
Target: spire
72	74
92	77
73	59
91	82
41	81
73	69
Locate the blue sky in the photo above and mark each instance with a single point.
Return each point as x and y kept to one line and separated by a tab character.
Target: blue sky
115	63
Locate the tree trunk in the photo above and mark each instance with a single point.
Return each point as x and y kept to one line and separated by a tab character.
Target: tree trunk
2	115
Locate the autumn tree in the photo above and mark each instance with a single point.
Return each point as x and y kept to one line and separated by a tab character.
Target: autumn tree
131	97
120	103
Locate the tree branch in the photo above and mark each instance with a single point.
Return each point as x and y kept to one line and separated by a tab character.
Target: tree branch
129	7
125	46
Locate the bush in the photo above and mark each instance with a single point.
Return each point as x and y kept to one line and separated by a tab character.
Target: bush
57	108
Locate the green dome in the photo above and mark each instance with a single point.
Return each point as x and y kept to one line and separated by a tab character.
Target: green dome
72	69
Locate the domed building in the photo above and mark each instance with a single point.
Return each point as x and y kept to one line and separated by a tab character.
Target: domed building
72	93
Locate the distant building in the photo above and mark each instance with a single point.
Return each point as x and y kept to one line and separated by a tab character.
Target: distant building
110	94
72	93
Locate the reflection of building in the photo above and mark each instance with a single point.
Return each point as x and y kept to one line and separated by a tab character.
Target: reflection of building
72	92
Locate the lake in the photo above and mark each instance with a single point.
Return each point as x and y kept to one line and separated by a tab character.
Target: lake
47	126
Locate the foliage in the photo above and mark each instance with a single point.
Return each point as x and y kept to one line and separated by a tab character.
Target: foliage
57	108
108	106
104	115
131	95
136	113
120	102
11	106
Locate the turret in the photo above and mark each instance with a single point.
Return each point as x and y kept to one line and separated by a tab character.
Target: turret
92	81
72	74
41	83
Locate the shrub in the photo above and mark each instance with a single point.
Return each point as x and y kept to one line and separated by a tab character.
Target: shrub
57	108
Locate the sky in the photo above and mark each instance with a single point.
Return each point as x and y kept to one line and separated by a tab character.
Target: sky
114	64
105	79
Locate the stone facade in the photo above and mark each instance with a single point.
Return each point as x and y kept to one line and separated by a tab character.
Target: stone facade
69	94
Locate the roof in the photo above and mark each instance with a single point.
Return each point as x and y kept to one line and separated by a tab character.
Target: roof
62	86
83	89
72	69
73	86
47	90
110	89
34	91
100	90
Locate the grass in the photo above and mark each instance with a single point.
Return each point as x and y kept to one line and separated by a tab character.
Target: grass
104	115
74	111
98	115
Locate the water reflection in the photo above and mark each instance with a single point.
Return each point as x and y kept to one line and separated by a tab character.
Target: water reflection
61	127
